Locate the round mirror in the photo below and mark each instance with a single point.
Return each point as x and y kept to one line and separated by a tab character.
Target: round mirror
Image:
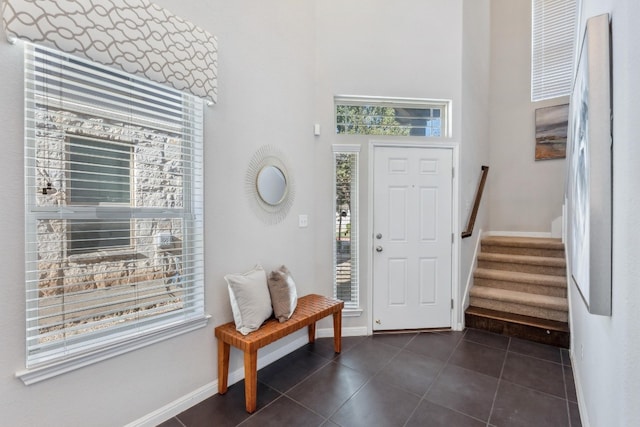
272	185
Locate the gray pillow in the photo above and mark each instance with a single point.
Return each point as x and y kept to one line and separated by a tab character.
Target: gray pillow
250	300
284	297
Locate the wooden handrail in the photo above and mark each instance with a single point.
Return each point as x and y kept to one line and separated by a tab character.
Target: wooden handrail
476	205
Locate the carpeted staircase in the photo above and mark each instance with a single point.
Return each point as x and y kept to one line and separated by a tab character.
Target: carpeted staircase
520	289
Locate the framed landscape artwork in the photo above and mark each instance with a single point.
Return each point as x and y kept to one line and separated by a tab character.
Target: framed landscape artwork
589	169
551	132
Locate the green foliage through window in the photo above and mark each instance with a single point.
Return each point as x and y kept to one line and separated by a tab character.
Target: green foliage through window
346	261
389	120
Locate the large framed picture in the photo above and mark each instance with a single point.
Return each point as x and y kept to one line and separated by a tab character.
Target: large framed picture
589	168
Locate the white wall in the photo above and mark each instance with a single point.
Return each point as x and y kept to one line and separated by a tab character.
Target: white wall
605	349
280	63
409	49
266	80
476	48
524	195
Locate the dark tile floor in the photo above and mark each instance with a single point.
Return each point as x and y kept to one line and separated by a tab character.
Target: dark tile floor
453	379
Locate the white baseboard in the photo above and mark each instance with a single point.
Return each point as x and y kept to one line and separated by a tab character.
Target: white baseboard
187	401
346	332
177	406
465	296
582	406
518	233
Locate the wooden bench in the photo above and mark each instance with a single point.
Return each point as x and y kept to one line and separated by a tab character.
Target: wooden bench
309	310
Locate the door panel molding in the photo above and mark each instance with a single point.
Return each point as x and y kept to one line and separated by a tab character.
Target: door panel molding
456	320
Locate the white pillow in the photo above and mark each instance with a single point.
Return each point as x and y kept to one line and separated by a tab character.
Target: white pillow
250	300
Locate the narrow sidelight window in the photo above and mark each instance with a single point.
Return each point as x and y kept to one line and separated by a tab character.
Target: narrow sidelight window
346	254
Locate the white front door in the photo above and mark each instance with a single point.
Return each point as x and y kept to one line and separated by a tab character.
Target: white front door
412	237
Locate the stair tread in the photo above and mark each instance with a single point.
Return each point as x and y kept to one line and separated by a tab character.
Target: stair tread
521	277
518	241
522	259
524	298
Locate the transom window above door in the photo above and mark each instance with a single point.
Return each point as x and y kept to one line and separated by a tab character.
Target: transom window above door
392	116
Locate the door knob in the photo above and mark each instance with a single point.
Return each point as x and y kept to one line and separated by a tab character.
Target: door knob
379	248
379	236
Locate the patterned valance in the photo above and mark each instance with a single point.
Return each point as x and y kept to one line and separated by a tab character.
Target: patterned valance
134	35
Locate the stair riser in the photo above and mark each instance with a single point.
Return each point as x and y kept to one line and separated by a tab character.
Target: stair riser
553	291
525	310
531	333
553	253
522	268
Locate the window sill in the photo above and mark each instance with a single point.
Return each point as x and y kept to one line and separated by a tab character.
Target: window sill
34	375
95	257
352	312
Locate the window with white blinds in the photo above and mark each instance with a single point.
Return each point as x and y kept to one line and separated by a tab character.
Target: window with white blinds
346	259
552	48
114	206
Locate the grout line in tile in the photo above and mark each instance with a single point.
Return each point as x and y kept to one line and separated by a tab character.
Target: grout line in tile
324	419
566	393
495	395
372	376
328	361
537	358
368	380
448	409
535	390
260	410
350	398
487	345
435	379
312	410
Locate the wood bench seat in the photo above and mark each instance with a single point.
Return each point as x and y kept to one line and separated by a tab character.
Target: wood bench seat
309	310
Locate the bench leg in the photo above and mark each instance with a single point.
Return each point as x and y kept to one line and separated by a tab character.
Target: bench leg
251	380
337	331
223	366
312	332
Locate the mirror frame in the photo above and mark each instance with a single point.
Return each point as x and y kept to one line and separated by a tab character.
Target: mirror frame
269	156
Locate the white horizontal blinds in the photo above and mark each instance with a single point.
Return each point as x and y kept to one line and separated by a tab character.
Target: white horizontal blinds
552	50
113	167
346	257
